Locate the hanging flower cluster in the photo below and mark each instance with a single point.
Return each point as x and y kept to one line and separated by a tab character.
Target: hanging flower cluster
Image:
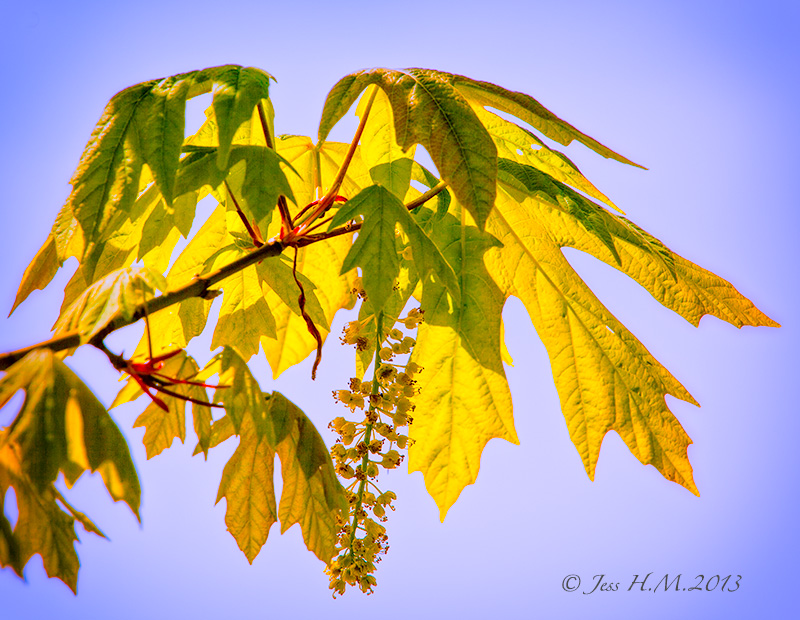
365	446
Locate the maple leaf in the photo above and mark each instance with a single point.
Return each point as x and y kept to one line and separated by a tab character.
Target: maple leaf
141	129
375	250
270	425
120	292
248	489
605	377
61	428
428	110
463	388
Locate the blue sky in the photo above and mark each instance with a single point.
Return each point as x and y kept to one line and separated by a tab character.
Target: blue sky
702	93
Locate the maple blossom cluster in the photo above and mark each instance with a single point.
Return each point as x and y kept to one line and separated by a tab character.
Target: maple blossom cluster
365	446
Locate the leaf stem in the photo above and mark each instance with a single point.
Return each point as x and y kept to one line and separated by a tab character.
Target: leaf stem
423	198
254	235
327	200
353	227
283	208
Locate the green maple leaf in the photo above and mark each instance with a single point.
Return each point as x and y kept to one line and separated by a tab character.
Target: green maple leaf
119	292
428	110
144	124
141	129
463	388
42	527
312	495
434	109
375	250
520	145
270	425
61	429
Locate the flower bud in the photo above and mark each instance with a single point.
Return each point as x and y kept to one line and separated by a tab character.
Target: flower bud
413	368
391	459
382	429
387	498
337	424
386	373
403	405
400	419
404	379
396	334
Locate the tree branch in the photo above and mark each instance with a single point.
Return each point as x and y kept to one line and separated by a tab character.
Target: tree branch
199	287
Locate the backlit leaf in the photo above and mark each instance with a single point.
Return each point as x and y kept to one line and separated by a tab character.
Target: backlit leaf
312	495
243	398
62	427
527	109
237	90
249	492
268	425
430	111
44	528
389	166
522	146
244	315
144	125
463	389
120	292
39	273
375	250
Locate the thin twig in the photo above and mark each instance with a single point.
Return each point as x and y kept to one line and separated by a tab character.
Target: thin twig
327	200
199	287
